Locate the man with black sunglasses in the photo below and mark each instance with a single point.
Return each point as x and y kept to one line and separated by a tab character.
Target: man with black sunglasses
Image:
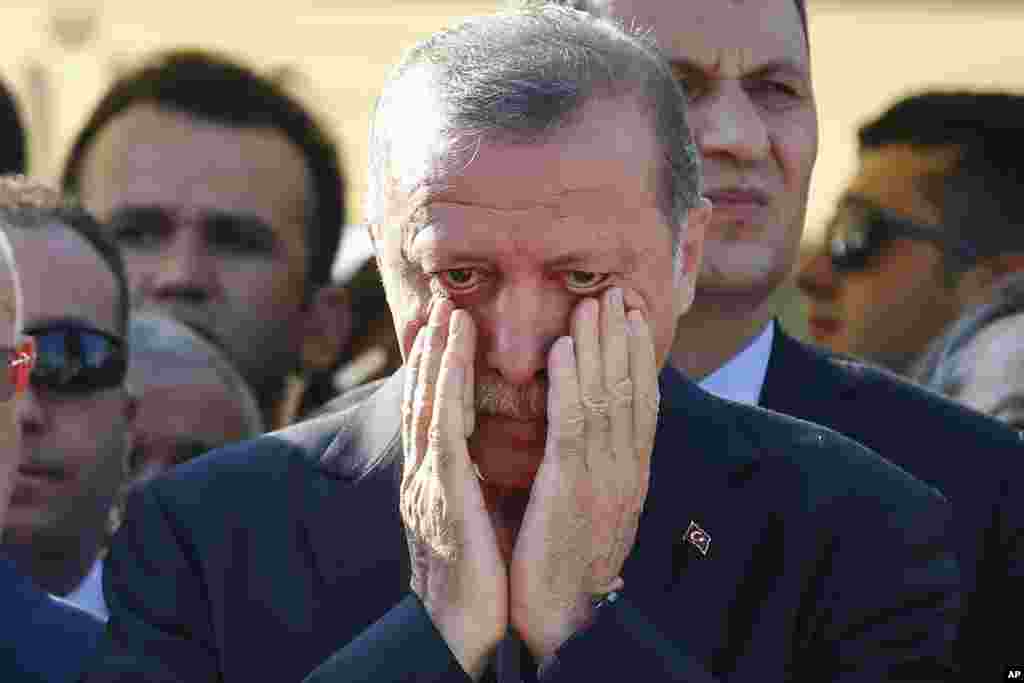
76	416
42	638
746	68
930	222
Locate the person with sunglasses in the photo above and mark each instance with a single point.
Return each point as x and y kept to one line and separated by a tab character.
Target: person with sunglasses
930	222
42	638
746	68
76	415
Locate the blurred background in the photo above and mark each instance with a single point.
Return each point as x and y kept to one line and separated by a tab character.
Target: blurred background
58	56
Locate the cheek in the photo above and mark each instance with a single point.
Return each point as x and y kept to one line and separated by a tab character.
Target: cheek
795	145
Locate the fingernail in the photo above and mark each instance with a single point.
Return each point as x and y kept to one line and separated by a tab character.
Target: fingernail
615	296
636	323
570	346
455	322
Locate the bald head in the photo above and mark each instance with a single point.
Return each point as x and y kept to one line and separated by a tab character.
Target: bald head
191	398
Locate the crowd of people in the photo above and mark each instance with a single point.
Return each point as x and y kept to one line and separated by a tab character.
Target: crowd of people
545	425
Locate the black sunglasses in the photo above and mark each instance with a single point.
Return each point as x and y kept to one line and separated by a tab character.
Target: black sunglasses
75	359
860	229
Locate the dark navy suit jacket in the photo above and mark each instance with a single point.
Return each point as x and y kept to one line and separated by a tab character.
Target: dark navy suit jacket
41	639
977	463
285	558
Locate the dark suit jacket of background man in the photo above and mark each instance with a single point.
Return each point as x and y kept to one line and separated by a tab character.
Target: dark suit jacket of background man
271	559
977	462
42	640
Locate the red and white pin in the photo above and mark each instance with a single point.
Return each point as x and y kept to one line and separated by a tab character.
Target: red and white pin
698	538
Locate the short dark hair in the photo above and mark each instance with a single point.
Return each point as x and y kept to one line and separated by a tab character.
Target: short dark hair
29	205
979	198
12	151
217	89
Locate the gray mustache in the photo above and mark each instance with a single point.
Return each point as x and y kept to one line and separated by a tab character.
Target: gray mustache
494	396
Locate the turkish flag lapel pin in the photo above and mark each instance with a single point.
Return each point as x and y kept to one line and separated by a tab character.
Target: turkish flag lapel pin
698	538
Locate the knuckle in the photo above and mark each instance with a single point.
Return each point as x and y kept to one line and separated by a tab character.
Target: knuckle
596	403
621	392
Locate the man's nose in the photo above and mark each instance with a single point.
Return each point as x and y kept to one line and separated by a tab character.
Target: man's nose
32	416
186	270
519	329
728	123
817	279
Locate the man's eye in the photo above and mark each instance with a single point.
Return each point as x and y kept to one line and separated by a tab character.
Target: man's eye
140	230
584	280
234	235
774	94
460	279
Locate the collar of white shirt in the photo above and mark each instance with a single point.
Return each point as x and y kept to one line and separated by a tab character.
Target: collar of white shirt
89	594
741	379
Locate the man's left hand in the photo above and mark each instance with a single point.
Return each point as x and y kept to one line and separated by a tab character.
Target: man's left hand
586	500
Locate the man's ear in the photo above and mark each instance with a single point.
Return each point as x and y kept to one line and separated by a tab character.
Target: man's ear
975	286
691	250
328	328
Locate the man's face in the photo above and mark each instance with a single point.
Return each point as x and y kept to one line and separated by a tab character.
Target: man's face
746	70
992	367
181	417
517	237
212	223
72	446
891	307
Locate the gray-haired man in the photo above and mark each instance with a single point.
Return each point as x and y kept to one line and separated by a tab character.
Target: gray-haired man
538	226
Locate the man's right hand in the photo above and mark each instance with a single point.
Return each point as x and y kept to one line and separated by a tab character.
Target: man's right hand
457	568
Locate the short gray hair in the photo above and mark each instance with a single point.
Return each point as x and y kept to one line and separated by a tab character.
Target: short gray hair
941	368
162	346
521	75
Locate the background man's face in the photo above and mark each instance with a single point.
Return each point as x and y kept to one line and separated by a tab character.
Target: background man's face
517	238
72	447
992	367
181	417
746	70
212	224
900	300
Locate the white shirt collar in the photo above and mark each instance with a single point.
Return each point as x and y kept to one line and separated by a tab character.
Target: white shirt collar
89	594
741	379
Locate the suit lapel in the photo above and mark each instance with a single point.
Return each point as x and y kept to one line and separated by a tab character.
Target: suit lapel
352	518
705	459
794	383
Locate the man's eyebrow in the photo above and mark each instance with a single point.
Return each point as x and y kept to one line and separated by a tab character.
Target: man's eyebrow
248	222
588	256
788	67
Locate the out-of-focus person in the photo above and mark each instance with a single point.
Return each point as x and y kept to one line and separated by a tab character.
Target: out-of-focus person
190	397
373	352
42	638
75	418
227	200
929	223
747	71
979	361
12	152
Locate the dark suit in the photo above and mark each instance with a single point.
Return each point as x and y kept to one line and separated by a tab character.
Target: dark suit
272	559
977	462
41	638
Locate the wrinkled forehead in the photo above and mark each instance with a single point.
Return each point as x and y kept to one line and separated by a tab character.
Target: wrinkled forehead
730	35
